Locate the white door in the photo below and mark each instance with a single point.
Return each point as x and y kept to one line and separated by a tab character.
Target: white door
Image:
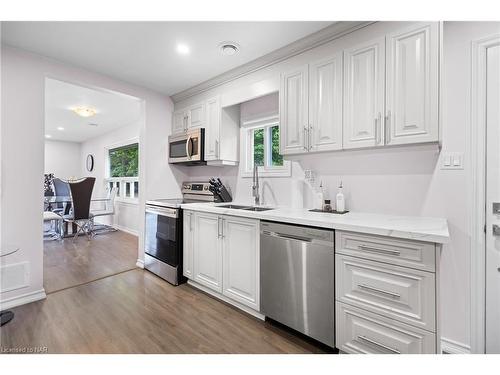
412	85
212	129
241	260
364	72
325	104
207	254
196	116
179	122
493	196
294	111
188	232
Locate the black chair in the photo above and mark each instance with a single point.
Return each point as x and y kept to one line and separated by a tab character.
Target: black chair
61	188
81	194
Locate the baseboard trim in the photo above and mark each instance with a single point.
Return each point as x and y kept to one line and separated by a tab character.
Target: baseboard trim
23	299
140	263
126	230
229	301
453	347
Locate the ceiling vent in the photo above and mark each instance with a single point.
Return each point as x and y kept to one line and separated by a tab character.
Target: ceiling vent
229	48
93	124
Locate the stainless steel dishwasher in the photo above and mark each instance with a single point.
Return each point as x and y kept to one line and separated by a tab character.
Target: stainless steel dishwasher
297	273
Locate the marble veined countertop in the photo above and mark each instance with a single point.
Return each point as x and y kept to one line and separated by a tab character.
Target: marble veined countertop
429	229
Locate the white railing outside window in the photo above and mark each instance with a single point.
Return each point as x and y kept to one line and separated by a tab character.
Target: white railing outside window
127	188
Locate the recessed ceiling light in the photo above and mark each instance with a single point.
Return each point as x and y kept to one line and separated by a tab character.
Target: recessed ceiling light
60	128
229	48
84	111
48	136
183	49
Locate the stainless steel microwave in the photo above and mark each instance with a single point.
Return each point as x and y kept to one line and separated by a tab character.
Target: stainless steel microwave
187	148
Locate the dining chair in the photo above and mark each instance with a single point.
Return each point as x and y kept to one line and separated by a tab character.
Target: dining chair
53	218
109	210
61	188
81	194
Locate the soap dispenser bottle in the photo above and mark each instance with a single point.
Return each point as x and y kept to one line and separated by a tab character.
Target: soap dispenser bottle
340	200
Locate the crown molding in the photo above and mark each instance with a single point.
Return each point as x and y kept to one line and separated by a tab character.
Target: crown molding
329	33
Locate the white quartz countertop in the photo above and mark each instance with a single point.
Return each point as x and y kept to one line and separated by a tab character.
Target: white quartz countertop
427	229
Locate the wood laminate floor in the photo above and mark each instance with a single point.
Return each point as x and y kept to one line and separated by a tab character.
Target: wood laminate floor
137	312
67	263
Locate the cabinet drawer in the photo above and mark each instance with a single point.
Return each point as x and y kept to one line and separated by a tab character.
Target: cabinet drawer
359	331
399	293
406	253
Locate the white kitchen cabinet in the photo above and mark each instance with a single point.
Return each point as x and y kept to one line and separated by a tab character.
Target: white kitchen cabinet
207	251
188	243
325	104
187	118
212	129
364	73
412	62
179	122
240	258
294	124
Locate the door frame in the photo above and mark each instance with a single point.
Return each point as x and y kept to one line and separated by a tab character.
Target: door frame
477	196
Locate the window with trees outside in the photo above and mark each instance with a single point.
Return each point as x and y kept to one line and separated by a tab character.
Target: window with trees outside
262	148
124	170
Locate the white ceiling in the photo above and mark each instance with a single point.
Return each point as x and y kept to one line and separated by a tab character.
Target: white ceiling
114	110
144	53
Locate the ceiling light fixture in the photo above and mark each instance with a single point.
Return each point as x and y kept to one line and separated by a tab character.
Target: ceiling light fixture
48	136
60	128
229	48
182	49
84	111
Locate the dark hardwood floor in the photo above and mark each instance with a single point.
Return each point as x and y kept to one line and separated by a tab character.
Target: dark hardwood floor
67	263
137	312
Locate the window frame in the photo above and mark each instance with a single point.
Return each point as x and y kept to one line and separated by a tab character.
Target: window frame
247	142
122	180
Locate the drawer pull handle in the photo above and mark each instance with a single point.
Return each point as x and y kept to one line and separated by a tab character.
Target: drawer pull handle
376	290
388	348
377	250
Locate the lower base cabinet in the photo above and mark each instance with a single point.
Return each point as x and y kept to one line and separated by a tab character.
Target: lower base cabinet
359	331
224	253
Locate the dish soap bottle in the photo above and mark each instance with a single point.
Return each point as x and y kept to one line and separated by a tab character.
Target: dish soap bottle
340	206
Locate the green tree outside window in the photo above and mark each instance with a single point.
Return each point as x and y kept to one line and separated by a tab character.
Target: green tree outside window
124	161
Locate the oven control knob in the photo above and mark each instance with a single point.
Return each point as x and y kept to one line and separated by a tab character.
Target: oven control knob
187	187
205	188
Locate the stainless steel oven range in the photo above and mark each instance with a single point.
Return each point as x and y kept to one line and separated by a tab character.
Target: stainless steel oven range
163	231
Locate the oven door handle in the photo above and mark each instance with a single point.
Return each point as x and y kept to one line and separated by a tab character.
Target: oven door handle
162	212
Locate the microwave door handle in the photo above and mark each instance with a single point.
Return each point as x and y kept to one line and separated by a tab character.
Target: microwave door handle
188	148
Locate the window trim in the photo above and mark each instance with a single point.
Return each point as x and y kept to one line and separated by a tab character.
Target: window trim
246	167
107	179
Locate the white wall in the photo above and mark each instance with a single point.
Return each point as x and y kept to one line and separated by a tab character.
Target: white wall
127	213
22	154
402	180
63	159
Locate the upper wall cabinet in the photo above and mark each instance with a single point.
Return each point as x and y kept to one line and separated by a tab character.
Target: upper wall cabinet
188	118
294	124
325	104
412	85
311	107
364	67
212	130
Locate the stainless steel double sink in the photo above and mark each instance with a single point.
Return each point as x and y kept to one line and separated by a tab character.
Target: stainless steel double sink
246	208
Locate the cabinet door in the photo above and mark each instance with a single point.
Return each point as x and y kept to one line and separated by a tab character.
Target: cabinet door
196	116
325	104
179	122
207	254
412	85
241	260
212	129
294	111
188	232
364	68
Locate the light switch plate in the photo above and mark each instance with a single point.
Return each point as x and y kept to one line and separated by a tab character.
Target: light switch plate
452	160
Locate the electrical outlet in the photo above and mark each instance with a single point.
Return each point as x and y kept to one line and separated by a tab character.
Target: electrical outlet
310	176
452	160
